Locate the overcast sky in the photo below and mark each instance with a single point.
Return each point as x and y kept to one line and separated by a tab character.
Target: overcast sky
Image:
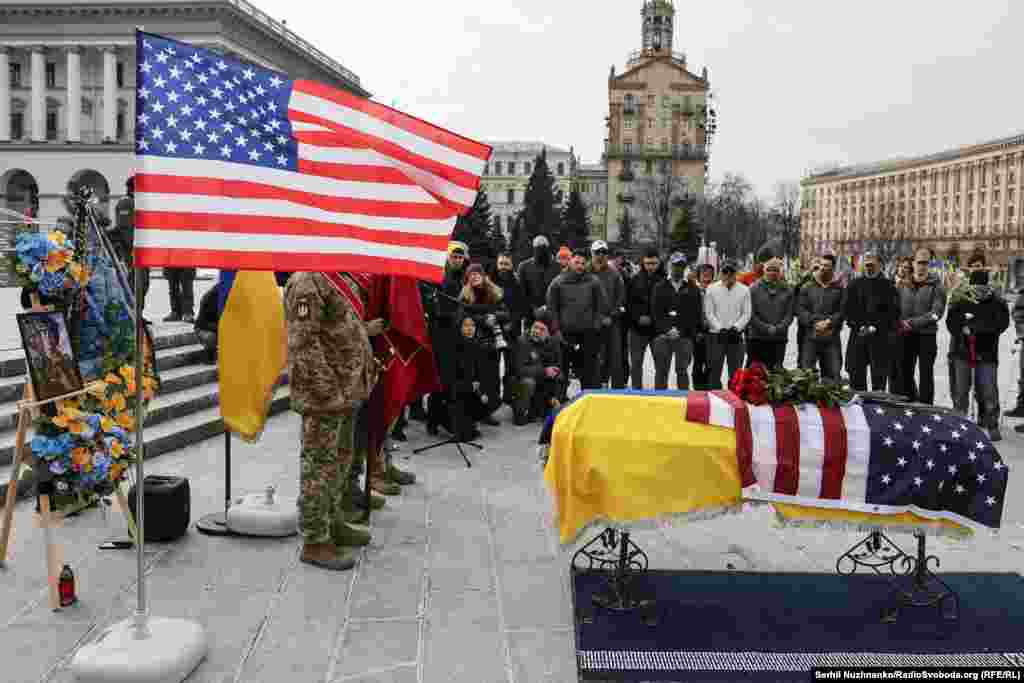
798	82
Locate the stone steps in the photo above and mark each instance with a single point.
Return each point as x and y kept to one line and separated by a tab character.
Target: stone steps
186	411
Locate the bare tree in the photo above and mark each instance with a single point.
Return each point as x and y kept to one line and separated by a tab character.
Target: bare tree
660	197
787	214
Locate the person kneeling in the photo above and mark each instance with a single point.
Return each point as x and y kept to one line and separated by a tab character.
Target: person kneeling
468	406
538	367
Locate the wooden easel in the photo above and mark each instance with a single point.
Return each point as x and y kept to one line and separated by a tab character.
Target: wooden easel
28	409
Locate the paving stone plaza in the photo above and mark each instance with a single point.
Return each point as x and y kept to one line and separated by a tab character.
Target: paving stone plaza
464	579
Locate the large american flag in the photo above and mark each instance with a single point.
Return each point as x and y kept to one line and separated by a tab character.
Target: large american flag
867	457
242	168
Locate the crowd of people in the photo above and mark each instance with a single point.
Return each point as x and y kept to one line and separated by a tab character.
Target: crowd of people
517	335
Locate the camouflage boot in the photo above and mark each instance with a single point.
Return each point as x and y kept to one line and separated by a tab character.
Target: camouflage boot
399	477
344	535
328	556
385	487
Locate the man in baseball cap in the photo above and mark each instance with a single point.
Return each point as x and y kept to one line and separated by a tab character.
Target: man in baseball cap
611	367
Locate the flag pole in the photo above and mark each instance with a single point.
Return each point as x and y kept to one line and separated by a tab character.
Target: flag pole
141	608
141	649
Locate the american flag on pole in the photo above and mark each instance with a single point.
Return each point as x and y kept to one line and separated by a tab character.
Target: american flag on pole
881	459
243	168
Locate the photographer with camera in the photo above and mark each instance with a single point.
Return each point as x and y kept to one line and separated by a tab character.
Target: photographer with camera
538	361
727	310
122	236
482	301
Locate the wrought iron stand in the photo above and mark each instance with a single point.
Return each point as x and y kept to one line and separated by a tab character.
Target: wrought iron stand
615	553
914	583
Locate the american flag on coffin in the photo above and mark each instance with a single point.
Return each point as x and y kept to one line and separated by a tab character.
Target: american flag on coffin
874	458
243	168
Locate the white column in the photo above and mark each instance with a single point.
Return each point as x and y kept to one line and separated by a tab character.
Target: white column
109	93
74	97
5	94
38	105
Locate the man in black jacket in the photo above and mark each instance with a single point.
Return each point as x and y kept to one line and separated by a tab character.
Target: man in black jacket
872	309
974	330
536	275
208	321
676	309
639	296
445	332
819	308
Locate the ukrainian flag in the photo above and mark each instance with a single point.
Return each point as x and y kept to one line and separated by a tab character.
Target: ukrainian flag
252	346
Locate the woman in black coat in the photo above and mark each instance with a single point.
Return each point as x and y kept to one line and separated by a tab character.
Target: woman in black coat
483	301
468	407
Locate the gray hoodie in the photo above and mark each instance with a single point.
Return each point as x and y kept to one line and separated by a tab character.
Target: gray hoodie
614	291
772	310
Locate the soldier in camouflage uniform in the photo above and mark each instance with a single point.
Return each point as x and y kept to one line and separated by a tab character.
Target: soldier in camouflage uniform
331	369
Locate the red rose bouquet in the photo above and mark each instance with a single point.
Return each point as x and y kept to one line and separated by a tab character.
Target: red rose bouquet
751	384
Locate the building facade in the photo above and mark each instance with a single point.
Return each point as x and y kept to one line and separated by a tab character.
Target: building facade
953	202
508	172
657	111
592	182
67	85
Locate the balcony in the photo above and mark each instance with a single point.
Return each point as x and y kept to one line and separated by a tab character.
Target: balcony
682	153
636	57
627	197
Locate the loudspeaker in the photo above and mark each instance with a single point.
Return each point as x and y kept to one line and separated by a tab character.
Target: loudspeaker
168	507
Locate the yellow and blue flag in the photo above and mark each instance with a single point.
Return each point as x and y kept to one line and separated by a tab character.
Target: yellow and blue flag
252	349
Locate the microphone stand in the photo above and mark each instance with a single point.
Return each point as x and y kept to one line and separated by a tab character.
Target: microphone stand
455	440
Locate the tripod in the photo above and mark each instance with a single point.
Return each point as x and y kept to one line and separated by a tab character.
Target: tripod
452	399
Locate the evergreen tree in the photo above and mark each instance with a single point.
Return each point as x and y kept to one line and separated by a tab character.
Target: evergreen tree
685	231
540	210
576	222
474	228
626	227
496	241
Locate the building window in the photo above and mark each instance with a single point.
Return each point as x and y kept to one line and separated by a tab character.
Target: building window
497	222
561	168
51	125
628	124
15	75
17	125
664	145
487	169
558	197
511	196
120	125
648	167
120	74
527	170
51	75
628	147
497	168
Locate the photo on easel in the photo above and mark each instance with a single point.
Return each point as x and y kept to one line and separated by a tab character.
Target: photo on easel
51	361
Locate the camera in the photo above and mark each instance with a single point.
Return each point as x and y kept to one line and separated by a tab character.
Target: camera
499	336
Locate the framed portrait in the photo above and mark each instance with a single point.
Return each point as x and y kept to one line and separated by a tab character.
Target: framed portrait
51	361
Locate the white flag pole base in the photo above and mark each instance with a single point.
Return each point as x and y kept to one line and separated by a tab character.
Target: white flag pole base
257	514
264	514
161	651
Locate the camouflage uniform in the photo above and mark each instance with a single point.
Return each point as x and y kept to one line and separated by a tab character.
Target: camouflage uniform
331	370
